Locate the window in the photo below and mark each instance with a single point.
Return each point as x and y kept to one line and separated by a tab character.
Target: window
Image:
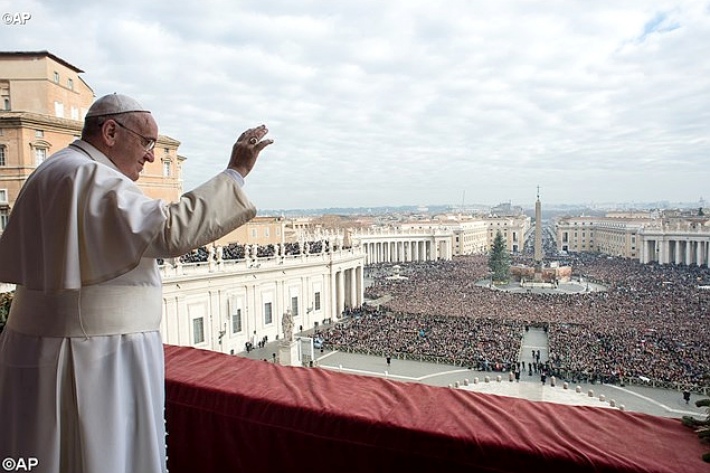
70	84
6	103
198	330
253	233
59	109
4	215
39	134
40	155
266	232
316	301
294	306
3	161
74	113
237	321
166	168
268	316
3	196
56	77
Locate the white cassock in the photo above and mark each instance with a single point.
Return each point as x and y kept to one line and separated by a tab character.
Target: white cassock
81	357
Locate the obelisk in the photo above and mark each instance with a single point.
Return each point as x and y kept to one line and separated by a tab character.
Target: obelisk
538	230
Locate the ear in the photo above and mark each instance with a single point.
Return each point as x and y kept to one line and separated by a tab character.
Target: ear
108	133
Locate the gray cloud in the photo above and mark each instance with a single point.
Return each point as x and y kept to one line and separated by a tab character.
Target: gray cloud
389	103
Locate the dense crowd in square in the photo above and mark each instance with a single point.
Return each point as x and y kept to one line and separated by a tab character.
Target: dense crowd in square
649	324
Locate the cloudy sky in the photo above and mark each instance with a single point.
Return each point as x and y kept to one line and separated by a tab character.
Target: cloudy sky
407	102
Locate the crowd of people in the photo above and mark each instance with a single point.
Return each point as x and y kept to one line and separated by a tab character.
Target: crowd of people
237	251
476	343
650	323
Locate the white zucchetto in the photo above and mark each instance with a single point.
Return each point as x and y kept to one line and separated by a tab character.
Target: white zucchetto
113	104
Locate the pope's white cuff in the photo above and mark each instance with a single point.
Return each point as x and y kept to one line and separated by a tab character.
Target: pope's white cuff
236	176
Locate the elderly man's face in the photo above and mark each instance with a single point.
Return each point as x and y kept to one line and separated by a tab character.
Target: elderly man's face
134	131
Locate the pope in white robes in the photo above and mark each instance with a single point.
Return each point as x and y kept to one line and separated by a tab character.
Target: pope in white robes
81	357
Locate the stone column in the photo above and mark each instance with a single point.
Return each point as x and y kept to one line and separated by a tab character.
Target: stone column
360	285
353	288
340	276
333	294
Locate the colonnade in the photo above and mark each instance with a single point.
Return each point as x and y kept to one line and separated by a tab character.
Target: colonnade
685	250
405	249
349	288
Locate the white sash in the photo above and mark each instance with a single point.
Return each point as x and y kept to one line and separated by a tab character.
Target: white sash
91	311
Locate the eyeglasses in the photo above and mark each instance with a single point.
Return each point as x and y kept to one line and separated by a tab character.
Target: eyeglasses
147	143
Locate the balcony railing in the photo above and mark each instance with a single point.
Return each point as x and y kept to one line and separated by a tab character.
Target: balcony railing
232	414
172	267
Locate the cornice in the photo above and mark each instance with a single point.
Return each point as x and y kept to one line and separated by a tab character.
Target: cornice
27	119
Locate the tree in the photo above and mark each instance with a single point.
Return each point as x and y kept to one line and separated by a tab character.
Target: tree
499	259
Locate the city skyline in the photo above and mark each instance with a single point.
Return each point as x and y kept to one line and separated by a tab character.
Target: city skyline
526	207
414	105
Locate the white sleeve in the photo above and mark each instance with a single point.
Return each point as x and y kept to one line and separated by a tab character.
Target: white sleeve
202	216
